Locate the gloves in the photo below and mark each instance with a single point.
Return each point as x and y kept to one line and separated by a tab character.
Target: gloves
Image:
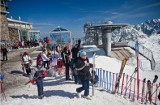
32	81
44	73
87	64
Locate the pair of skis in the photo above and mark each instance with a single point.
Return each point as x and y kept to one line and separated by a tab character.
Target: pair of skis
120	75
149	93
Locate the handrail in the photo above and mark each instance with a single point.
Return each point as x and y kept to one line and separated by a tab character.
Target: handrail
145	52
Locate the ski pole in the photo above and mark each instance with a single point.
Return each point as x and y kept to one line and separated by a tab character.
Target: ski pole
143	90
129	82
155	90
2	92
94	54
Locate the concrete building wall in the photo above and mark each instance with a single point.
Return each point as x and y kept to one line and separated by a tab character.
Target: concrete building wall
4	32
14	35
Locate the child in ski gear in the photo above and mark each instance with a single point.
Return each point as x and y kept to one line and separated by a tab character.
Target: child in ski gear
66	59
38	78
26	60
82	66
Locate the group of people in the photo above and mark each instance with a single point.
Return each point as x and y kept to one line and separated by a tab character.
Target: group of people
73	60
25	44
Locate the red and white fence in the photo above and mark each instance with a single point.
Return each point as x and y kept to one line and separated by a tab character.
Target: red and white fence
127	86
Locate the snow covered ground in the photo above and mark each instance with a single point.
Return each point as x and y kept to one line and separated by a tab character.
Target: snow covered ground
60	92
57	91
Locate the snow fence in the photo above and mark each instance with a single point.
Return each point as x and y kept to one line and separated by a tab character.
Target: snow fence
127	86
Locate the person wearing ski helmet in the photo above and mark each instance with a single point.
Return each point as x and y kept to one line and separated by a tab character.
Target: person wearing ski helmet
82	67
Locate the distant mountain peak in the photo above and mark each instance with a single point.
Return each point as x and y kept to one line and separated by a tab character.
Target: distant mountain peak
141	31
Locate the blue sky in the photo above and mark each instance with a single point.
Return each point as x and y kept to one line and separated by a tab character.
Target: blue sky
46	15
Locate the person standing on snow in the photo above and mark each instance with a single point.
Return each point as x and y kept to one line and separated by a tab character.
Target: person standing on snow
66	60
45	59
4	53
26	60
82	67
38	78
39	59
74	51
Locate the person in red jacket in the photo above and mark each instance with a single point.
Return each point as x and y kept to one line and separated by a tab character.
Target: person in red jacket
47	40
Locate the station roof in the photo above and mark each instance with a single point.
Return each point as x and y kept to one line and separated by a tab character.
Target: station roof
17	21
109	26
59	29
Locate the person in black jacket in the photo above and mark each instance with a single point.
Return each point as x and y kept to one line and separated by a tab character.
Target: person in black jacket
74	51
82	67
79	43
65	54
4	52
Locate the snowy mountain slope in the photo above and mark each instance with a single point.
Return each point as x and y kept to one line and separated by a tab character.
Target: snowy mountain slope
150	27
141	31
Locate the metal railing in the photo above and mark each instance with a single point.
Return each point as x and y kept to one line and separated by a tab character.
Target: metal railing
147	53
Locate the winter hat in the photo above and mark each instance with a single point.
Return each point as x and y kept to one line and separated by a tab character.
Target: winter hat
82	53
25	53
